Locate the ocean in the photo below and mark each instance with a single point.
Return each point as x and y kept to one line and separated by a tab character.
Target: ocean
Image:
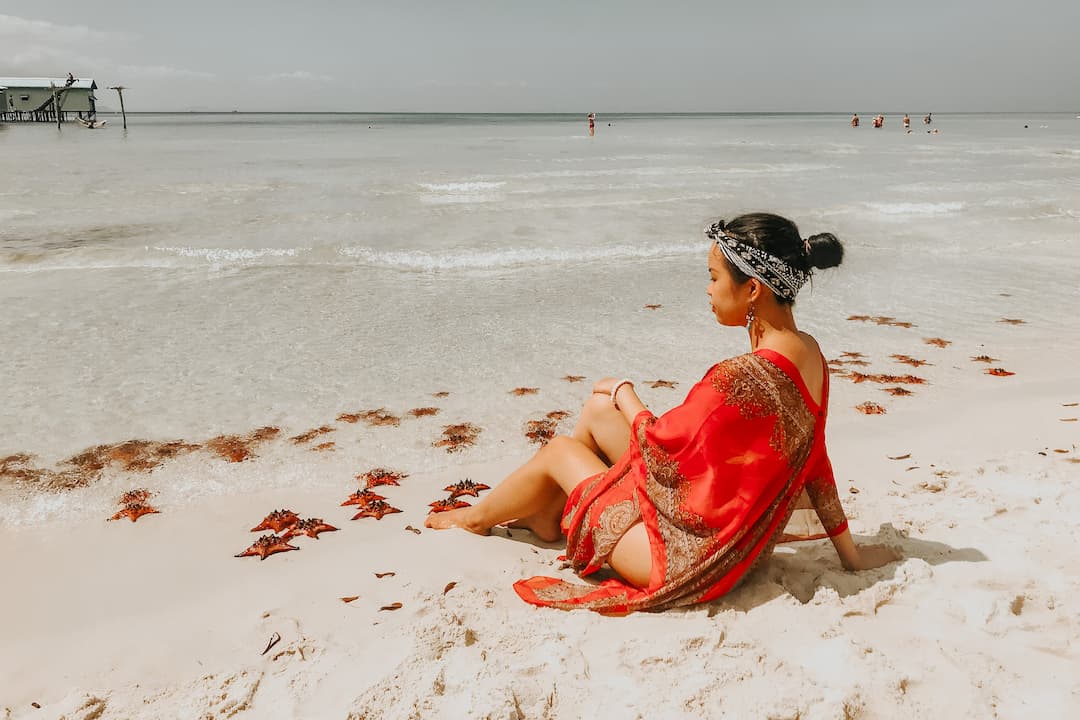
201	275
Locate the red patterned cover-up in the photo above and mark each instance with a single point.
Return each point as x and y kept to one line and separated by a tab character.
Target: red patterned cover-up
714	481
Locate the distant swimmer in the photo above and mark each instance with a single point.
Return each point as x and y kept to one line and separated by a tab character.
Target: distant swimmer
926	119
879	121
592	124
907	122
854	119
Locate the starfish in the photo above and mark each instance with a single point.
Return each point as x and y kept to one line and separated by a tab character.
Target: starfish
662	383
311	434
524	391
277	521
897	391
998	372
937	342
653	306
362	497
237	448
449	503
859	318
858	377
310	527
984	359
375	509
132	497
557	415
852	354
869	408
456	437
267	545
1011	321
908	360
323	447
573	378
424	411
134	511
381	476
465	487
440	394
540	430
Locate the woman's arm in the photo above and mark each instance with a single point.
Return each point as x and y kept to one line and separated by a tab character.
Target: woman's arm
853	557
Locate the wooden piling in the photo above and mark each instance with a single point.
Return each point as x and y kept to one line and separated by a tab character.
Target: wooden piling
120	91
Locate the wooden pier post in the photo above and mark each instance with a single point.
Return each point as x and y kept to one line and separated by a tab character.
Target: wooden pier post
120	91
55	105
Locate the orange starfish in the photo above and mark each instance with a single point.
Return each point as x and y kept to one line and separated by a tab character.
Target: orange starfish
137	495
459	436
998	372
524	391
267	545
984	359
662	383
440	394
424	411
573	378
558	415
465	487
908	360
362	497
869	408
540	430
375	509
897	391
311	434
448	504
134	511
1011	321
937	342
381	476
277	521
310	527
653	306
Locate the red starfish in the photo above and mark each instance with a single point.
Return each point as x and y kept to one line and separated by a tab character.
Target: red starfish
465	487
998	372
362	497
381	476
267	545
449	503
310	527
134	511
375	509
869	408
277	521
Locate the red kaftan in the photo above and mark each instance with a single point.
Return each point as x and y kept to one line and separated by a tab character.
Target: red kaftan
714	481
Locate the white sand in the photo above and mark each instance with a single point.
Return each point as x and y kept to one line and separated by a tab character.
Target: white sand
157	619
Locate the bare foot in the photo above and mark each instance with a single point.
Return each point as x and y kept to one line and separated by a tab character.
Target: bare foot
459	518
546	528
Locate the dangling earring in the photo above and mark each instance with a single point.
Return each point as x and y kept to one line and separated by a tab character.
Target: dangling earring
750	316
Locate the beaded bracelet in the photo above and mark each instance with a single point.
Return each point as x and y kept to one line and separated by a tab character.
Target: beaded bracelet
615	389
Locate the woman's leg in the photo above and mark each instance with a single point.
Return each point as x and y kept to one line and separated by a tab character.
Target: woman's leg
534	494
602	428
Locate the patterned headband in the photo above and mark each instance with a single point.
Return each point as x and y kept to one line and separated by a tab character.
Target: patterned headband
777	275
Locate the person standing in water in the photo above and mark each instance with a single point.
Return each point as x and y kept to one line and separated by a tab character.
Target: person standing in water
926	119
854	119
592	124
907	122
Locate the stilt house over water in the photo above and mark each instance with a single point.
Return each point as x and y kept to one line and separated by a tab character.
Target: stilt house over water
32	99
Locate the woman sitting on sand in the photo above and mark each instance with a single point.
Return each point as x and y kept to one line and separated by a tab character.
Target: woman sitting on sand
696	496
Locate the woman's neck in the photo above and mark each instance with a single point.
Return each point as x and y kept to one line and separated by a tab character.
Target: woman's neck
771	325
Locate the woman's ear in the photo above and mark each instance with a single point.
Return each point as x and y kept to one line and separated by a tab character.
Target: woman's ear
755	289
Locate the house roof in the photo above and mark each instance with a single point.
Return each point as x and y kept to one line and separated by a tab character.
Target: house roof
17	82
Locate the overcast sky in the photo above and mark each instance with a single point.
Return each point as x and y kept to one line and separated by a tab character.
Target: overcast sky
557	56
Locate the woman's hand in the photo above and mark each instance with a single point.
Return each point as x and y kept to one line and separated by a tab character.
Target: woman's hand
874	556
604	386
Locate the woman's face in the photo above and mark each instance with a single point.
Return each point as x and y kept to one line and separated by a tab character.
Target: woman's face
729	300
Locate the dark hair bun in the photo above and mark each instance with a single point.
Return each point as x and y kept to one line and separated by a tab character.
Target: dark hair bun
825	250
